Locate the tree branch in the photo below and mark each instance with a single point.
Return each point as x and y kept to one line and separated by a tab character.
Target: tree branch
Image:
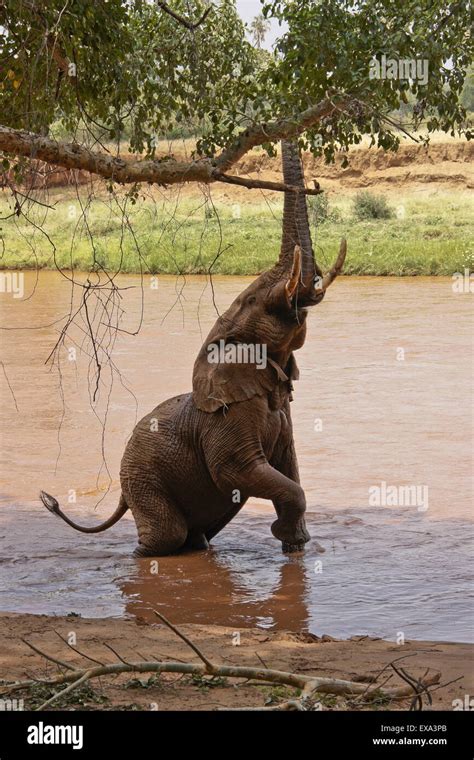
50	657
209	665
180	19
310	685
259	184
167	171
75	156
277	130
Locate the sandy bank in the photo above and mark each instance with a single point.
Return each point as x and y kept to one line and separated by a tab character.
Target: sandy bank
359	659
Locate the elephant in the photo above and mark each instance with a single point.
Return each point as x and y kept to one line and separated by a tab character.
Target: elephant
191	464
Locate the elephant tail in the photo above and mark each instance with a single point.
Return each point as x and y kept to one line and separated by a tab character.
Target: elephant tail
52	504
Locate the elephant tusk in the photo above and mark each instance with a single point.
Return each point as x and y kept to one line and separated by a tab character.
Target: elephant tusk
336	268
292	283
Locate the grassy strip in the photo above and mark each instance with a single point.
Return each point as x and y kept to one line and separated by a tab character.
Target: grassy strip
427	236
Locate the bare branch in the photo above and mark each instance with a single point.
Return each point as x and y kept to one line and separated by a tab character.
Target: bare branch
50	657
78	651
309	685
259	184
277	130
210	667
75	156
82	679
9	385
180	19
118	656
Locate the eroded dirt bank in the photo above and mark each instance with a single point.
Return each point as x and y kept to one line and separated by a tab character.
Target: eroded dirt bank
440	162
358	659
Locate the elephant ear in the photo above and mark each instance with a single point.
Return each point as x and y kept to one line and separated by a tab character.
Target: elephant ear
217	385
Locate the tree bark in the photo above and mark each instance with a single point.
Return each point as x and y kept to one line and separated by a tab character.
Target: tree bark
277	130
166	171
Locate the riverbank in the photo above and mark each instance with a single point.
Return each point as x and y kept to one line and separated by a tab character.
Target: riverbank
226	229
358	659
428	234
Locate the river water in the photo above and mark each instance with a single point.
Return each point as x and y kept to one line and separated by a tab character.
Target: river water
384	401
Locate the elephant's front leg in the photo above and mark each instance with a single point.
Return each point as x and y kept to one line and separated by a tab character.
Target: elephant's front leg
266	482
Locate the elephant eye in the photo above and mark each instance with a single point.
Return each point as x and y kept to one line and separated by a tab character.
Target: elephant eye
251	299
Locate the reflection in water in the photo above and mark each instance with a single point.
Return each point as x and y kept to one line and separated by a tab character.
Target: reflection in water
233	588
384	569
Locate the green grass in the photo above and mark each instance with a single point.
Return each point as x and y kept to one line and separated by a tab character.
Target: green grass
428	235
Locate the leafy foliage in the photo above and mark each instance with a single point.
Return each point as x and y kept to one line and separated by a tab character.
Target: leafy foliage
128	63
85	696
329	48
128	68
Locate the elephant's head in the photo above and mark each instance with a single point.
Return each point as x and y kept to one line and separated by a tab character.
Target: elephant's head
250	348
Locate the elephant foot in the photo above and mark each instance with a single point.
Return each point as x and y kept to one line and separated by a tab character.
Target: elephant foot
291	548
196	542
143	551
290	534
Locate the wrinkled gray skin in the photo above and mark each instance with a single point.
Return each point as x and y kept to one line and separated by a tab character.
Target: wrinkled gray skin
186	477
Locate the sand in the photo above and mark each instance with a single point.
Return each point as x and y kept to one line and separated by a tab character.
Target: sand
359	658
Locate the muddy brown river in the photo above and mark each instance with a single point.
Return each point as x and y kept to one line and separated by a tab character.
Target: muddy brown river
383	428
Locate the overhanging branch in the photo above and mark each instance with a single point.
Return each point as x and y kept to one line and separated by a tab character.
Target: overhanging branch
168	171
279	129
75	156
261	184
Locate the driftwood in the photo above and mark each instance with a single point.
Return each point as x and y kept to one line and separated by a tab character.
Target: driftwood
309	686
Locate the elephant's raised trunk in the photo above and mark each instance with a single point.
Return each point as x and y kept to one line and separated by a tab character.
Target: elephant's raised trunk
296	231
295	215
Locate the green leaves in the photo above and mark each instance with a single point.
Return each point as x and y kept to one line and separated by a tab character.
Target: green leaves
127	70
330	46
137	69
